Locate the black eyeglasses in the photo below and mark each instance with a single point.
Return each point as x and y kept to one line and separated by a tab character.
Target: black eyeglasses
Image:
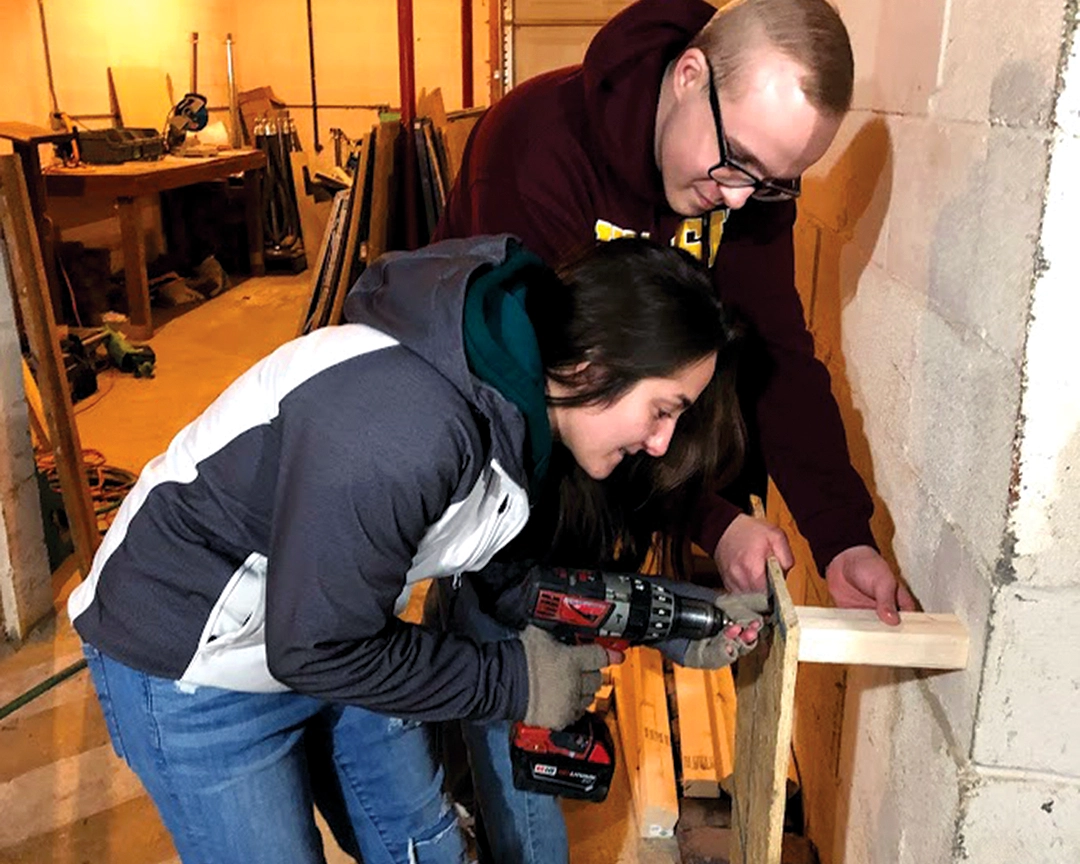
730	174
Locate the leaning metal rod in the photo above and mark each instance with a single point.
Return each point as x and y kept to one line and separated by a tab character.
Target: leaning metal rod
311	64
48	59
234	108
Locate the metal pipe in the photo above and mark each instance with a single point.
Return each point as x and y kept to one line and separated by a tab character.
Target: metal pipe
407	77
234	109
48	59
311	66
466	54
194	62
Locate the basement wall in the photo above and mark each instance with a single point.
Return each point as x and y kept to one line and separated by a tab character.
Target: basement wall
938	264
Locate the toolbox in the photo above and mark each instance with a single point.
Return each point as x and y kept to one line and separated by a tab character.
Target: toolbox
112	146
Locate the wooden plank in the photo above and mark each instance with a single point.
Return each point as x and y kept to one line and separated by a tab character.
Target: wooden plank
349	264
856	636
27	268
322	273
766	709
699	772
39	427
722	716
645	734
383	189
707	711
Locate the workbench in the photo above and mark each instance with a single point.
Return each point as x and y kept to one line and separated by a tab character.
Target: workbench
128	181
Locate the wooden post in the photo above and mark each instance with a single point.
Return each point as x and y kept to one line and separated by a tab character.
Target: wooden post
765	688
136	283
28	271
645	734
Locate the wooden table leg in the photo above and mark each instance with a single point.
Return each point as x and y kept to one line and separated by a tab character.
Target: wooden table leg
136	283
254	218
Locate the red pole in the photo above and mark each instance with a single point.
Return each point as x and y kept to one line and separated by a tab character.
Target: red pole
466	55
407	77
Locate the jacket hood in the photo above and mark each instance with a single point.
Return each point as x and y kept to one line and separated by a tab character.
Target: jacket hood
459	304
418	298
621	74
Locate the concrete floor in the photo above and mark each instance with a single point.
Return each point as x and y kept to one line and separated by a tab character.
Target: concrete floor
64	795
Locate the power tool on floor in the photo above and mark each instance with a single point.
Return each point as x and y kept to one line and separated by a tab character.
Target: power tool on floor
617	610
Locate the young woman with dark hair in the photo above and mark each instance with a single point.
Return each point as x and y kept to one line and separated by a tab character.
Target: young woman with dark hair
240	617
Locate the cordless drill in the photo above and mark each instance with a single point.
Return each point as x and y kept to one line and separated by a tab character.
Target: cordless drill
616	610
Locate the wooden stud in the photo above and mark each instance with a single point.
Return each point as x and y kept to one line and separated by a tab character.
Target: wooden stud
39	427
858	637
383	187
352	236
645	733
700	774
27	268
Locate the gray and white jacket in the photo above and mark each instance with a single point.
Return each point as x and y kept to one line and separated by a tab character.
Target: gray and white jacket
271	545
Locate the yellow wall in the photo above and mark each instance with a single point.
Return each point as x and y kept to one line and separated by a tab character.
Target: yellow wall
355	42
356	49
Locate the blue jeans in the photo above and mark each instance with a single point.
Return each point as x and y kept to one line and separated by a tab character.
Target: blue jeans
521	827
235	776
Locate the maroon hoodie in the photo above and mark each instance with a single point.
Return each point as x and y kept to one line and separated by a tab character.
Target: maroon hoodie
568	157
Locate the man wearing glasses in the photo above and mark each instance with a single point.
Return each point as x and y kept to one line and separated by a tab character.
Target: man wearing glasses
693	126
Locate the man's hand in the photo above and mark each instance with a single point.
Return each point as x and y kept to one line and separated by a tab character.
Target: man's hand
859	578
743	550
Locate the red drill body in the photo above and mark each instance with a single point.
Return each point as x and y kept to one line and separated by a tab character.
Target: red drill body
617	610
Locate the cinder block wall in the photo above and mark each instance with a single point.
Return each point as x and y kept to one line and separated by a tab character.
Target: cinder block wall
25	590
938	275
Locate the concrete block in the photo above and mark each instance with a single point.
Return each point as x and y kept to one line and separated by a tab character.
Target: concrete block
879	327
1020	819
1029	713
893	743
957	583
963	424
937	170
964	222
944	575
1067	112
1047	508
983	251
927	758
999	62
897	47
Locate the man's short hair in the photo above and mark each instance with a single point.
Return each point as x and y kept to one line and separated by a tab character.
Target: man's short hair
809	32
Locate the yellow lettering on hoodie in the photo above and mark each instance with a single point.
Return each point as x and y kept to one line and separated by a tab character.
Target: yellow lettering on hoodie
691	233
607	231
689	236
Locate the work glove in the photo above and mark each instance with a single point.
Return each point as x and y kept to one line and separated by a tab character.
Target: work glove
562	678
720	650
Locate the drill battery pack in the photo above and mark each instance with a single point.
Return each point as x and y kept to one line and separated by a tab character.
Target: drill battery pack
113	146
575	762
